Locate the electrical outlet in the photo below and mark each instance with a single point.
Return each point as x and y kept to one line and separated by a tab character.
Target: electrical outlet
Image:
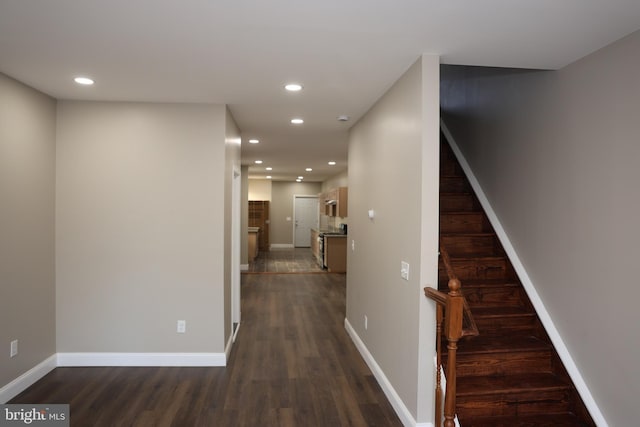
404	270
14	348
366	321
353	245
182	326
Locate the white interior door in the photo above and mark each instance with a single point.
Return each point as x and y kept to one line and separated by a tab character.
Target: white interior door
305	217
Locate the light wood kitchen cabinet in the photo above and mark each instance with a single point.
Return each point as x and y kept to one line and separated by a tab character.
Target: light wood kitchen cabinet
335	253
321	206
336	201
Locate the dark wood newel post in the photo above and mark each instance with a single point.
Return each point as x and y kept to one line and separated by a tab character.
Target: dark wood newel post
439	319
450	310
453	332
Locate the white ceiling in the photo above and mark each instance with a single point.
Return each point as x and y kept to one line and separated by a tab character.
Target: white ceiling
346	53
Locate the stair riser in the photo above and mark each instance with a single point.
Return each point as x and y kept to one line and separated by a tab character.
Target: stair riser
518	403
463	244
457	203
512	325
450	168
476	269
454	185
471	222
492	296
503	363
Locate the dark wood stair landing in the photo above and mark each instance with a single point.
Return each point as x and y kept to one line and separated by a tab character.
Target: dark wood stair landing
510	375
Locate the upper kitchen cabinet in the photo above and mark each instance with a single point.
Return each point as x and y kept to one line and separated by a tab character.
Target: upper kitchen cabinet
259	217
336	201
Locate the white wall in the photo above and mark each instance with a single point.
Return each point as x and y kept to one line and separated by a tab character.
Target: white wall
260	189
393	169
27	275
556	154
140	227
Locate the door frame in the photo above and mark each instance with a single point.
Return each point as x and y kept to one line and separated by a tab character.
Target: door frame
236	209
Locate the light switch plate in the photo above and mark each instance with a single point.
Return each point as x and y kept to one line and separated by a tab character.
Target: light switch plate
404	270
182	326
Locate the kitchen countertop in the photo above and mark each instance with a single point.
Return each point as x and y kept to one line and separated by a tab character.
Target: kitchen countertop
329	231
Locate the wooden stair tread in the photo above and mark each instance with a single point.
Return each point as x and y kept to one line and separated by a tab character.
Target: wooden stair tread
474	284
477	212
498	344
490	283
509	384
475	257
500	311
481	234
457	194
538	420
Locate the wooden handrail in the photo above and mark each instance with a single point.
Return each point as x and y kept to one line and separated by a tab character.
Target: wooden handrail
456	314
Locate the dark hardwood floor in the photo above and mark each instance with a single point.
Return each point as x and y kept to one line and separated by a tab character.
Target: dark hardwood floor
292	365
285	260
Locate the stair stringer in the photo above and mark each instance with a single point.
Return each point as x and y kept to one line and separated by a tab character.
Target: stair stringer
536	301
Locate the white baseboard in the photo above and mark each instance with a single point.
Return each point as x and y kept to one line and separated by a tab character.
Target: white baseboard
281	246
244	267
395	400
141	359
529	287
25	380
227	349
235	335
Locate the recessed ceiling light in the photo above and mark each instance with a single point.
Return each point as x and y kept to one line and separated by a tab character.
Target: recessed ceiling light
253	141
297	121
301	177
258	162
308	169
293	87
269	168
83	81
268	176
298	180
332	163
343	118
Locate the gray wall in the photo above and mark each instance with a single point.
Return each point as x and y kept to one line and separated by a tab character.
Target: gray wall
556	153
140	224
338	180
232	164
281	206
27	275
393	169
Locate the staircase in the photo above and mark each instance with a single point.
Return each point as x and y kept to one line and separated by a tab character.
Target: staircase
509	375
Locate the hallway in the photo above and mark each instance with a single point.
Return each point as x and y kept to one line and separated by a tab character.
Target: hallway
292	364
